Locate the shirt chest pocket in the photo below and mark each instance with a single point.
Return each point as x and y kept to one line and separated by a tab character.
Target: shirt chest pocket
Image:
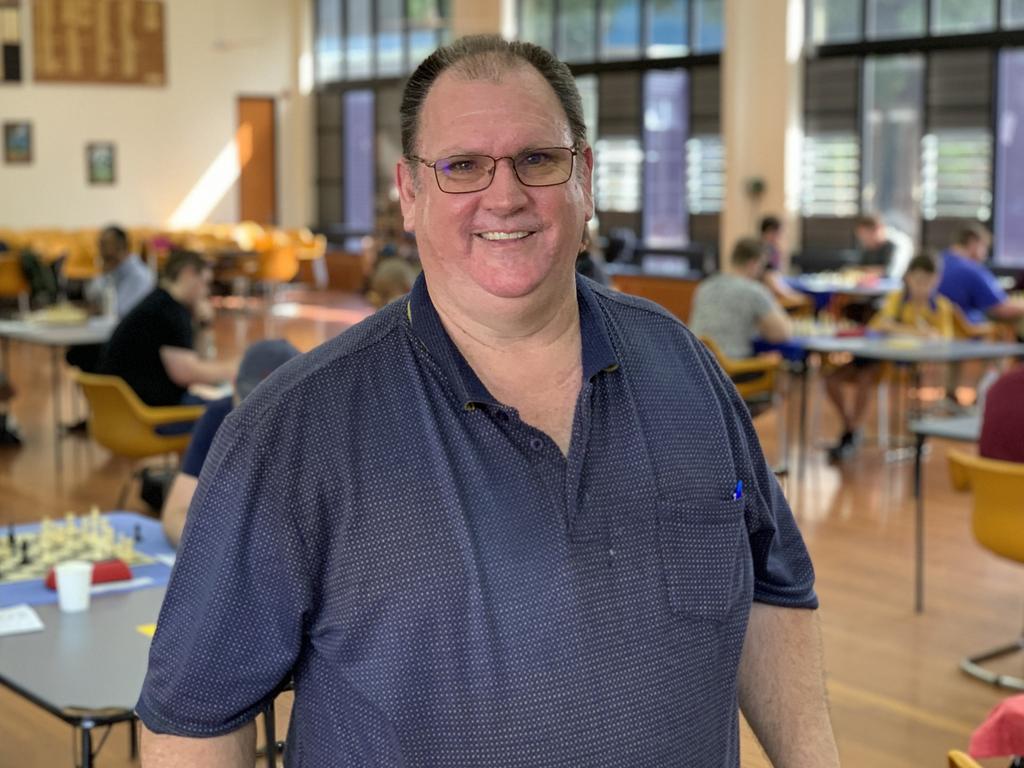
704	557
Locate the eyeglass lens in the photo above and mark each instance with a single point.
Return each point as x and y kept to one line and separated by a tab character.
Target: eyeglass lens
534	168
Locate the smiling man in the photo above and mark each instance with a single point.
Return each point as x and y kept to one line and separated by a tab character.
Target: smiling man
513	520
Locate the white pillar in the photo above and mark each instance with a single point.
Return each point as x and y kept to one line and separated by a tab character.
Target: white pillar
762	115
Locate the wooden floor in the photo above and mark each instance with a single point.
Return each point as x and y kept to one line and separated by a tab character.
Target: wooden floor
897	697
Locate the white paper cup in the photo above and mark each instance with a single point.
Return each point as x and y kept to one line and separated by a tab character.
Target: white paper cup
74	579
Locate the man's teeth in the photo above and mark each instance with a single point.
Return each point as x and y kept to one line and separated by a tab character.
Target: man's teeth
503	235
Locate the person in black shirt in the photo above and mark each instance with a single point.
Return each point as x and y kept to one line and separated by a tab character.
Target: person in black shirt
151	348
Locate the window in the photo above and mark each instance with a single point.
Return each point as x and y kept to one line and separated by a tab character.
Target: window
424	23
954	17
895	18
587	86
1009	235
1013	13
329	170
358	58
360	183
390	46
831	152
710	23
665	133
893	94
956	153
705	174
618	152
577	20
327	48
835	21
620	29
667	28
536	22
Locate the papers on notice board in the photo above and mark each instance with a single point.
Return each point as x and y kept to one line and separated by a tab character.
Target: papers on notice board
19	619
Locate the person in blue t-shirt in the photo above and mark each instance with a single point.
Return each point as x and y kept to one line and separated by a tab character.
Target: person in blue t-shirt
969	284
260	360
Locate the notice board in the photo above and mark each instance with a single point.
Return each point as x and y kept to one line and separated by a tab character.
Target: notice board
99	41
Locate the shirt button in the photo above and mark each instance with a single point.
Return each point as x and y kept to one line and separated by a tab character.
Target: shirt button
536	443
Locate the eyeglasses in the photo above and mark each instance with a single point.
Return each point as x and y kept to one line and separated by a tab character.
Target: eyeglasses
460	174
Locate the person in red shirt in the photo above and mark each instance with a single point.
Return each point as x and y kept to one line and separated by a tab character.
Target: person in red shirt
1002	426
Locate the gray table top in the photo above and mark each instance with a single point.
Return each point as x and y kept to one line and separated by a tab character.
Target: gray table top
84	666
96	331
904	350
966	429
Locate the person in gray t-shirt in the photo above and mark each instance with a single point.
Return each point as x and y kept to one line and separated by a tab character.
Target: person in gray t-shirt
732	309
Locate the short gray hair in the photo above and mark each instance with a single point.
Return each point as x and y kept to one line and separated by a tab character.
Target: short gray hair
488	57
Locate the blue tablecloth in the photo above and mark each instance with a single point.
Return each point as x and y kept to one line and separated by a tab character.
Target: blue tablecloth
153	543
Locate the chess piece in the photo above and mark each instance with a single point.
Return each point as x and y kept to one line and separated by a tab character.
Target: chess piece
25	559
11	538
138	533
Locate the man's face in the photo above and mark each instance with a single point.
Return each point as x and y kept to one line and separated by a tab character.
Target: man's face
457	234
977	249
111	250
195	285
868	237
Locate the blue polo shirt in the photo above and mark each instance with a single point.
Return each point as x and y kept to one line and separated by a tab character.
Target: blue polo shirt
970	286
447	589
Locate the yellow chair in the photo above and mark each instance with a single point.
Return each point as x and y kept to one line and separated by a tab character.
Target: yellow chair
998	524
958	759
754	377
125	426
13	284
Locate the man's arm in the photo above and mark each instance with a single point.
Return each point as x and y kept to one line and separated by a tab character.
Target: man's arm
774	326
176	506
782	687
1007	310
185	368
233	750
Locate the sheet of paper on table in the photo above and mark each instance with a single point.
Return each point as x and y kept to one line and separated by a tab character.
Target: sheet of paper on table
19	619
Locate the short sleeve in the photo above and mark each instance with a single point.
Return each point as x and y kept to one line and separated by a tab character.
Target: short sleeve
945	317
889	310
203	434
987	291
783	572
763	301
232	622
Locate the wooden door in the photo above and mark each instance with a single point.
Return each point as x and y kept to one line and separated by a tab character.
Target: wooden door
257	159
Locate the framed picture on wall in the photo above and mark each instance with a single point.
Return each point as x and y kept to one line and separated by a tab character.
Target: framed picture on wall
18	142
99	162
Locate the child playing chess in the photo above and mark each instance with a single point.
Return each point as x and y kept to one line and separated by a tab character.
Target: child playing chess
916	310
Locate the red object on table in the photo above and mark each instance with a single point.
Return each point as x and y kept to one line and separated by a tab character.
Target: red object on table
1002	733
104	570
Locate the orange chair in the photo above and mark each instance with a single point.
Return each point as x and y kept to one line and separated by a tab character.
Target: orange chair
958	759
754	377
124	425
997	521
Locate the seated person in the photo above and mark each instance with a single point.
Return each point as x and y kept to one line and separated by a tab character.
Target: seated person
970	285
916	310
1002	424
392	278
733	309
882	248
152	347
260	360
771	242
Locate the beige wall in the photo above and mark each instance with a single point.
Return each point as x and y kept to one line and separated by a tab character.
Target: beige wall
175	158
761	114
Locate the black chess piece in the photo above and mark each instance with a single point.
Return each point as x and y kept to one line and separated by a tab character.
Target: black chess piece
25	559
138	533
11	538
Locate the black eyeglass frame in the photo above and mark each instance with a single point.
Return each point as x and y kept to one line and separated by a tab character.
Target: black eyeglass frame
432	164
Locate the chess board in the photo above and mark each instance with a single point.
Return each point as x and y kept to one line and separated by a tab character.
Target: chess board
30	555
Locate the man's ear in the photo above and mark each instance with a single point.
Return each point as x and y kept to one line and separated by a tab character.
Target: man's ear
588	181
407	190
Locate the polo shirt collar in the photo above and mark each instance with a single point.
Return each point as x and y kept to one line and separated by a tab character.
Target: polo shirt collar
598	353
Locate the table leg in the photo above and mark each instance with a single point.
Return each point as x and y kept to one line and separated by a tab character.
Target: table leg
271	735
58	453
802	447
918	526
87	745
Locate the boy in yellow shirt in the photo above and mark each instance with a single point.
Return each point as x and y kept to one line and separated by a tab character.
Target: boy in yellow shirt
915	310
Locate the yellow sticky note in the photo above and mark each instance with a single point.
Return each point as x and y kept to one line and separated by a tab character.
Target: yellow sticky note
146	629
